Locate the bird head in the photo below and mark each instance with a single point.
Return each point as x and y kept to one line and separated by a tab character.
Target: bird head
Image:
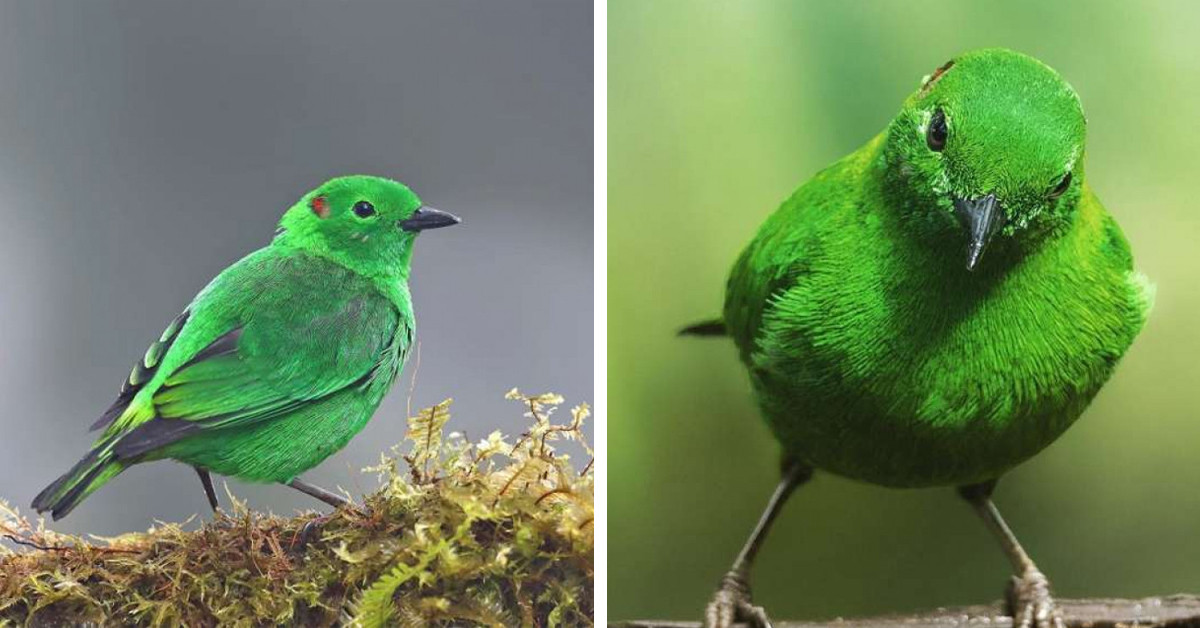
990	150
366	223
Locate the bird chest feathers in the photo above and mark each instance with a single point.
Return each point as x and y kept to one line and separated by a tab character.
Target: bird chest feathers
403	335
884	363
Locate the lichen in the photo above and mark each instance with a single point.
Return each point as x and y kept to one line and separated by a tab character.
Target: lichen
459	533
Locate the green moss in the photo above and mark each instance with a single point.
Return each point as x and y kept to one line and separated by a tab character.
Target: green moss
490	533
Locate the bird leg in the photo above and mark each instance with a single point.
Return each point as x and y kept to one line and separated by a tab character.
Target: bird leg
206	480
732	601
313	526
332	499
1029	594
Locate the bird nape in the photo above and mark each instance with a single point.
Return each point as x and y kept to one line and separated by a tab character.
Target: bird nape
936	307
281	359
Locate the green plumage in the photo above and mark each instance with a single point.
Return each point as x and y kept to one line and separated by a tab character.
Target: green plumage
283	358
874	352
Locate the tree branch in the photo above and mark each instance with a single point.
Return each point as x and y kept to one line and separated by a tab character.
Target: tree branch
1173	611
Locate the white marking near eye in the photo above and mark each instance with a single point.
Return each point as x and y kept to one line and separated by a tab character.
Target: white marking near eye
1070	165
923	123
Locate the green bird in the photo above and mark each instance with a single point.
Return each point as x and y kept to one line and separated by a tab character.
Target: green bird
938	306
281	359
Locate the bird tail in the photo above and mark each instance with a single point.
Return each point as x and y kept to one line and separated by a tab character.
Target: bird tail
89	474
714	327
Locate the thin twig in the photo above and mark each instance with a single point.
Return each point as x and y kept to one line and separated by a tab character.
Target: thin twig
573	427
429	440
19	540
27	543
412	384
555	491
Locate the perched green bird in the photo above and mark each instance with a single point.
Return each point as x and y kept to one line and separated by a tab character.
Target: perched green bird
939	305
281	359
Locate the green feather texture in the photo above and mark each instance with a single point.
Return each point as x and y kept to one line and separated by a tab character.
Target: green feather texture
875	352
281	359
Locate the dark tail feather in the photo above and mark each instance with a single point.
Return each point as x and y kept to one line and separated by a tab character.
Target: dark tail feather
715	327
86	476
152	434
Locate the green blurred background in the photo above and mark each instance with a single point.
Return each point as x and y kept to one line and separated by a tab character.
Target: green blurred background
716	112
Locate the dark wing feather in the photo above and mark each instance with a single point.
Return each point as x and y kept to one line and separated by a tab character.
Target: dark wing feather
142	372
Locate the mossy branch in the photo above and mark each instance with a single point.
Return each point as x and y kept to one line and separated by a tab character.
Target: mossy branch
480	533
1175	611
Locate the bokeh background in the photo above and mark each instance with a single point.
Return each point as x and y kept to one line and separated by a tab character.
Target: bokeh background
717	111
145	146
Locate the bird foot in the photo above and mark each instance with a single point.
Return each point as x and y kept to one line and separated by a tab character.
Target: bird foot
1031	603
310	531
731	604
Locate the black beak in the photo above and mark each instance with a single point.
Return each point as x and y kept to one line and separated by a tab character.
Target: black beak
427	217
982	218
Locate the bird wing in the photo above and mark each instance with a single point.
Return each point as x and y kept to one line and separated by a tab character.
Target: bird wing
793	242
271	334
775	260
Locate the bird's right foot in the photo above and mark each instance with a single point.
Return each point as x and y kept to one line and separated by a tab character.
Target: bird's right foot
731	604
310	531
1031	602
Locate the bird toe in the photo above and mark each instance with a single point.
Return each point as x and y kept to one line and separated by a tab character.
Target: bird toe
1031	602
732	604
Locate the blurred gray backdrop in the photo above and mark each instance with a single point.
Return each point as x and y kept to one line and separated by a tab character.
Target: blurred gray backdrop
145	146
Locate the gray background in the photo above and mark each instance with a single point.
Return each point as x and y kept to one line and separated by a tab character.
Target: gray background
146	146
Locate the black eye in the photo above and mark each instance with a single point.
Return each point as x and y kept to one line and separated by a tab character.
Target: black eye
363	209
935	137
1061	187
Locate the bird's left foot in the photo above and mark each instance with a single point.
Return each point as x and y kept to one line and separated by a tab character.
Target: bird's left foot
1031	602
731	604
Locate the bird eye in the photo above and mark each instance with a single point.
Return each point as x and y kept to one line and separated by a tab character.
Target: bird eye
935	137
1061	187
363	209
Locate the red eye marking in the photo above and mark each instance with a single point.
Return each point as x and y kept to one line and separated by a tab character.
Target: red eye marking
319	206
937	74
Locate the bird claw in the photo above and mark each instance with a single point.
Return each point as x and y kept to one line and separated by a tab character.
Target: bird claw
731	604
1031	602
311	528
221	521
